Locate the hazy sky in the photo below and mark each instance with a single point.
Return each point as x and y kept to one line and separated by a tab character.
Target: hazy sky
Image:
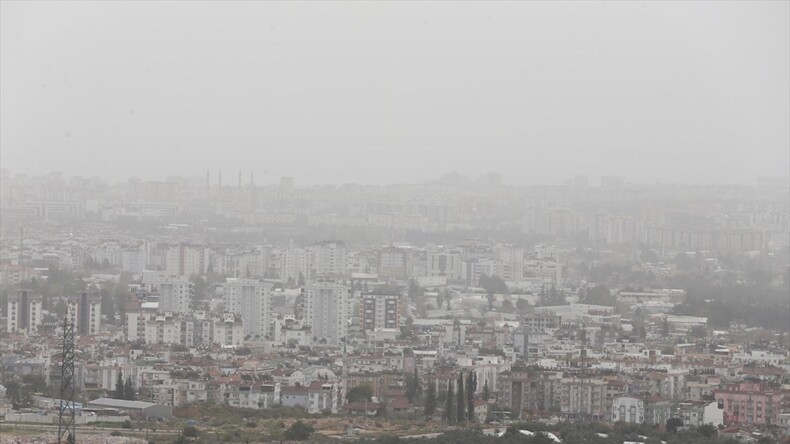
397	92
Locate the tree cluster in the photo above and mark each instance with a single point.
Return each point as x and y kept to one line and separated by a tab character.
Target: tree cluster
299	431
124	389
459	402
361	393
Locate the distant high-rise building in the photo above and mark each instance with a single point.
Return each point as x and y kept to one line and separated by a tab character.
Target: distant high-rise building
393	262
327	309
580	181
133	260
176	294
514	257
286	183
228	330
251	299
380	311
612	182
445	263
186	260
296	264
473	268
24	312
137	316
329	258
187	330
84	311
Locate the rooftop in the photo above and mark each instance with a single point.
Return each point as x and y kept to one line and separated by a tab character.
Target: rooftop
122	403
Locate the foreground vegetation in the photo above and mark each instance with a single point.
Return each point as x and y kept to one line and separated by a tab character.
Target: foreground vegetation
574	433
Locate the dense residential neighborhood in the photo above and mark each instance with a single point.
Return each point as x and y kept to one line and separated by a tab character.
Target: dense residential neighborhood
439	305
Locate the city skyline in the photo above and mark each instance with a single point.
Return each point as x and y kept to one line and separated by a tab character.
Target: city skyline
230	178
487	222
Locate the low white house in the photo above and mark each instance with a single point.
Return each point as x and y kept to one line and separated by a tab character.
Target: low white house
628	409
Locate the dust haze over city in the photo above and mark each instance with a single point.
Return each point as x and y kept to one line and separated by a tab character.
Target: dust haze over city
395	222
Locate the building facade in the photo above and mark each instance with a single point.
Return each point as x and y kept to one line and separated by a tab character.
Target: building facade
380	311
327	309
250	299
24	312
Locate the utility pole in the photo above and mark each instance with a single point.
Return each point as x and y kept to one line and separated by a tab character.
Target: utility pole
66	412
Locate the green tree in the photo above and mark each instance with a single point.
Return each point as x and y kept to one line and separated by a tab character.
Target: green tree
413	389
698	332
360	393
200	286
299	431
460	399
492	285
556	297
19	394
190	432
599	295
430	399
471	383
673	424
707	430
410	391
486	391
120	391
448	404
35	383
107	302
128	389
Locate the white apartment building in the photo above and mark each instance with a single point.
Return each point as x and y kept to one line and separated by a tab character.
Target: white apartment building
176	294
628	409
296	263
514	257
186	260
238	264
150	279
288	330
473	268
24	312
84	312
327	309
136	319
164	328
167	328
583	399
380	312
133	260
228	330
761	357
251	299
11	274
445	263
544	270
393	262
329	258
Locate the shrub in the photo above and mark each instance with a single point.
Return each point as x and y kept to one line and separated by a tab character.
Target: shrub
298	431
190	432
